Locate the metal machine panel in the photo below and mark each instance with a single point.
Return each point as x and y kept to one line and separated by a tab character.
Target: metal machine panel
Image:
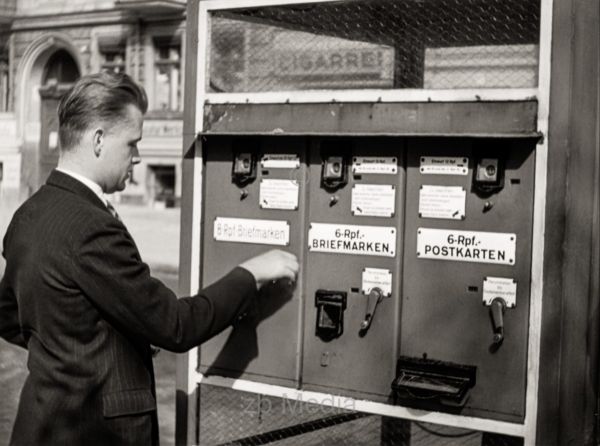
264	345
401	118
348	359
444	316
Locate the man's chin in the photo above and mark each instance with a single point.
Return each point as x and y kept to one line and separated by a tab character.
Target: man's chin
118	188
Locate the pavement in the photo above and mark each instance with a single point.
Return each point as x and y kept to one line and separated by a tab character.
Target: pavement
156	232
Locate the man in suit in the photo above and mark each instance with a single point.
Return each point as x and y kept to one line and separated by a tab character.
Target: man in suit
76	294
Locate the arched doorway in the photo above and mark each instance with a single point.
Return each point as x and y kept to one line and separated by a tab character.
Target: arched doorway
60	68
59	74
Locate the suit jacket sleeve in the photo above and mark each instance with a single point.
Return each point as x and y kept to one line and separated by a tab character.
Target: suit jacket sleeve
10	328
111	274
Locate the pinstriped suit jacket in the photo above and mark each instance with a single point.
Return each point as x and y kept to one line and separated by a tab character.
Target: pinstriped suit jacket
77	295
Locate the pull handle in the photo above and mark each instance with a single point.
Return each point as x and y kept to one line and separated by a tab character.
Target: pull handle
497	309
373	299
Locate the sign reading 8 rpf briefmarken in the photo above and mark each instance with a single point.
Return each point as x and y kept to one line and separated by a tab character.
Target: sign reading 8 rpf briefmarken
247	230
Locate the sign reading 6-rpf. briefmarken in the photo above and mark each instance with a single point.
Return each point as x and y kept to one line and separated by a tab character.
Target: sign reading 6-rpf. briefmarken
352	239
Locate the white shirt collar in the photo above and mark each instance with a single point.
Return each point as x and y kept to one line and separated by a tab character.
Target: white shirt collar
94	187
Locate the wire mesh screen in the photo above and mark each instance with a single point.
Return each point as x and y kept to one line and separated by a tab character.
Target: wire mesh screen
384	44
234	418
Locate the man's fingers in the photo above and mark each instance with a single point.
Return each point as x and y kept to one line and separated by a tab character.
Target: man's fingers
273	265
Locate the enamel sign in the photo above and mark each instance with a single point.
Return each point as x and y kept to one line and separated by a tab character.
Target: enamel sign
352	239
466	246
245	230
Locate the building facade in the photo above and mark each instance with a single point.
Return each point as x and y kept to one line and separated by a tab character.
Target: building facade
46	45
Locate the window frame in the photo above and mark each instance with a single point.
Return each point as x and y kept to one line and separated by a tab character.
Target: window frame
176	35
5	87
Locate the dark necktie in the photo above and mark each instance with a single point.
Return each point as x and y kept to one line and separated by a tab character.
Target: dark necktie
112	210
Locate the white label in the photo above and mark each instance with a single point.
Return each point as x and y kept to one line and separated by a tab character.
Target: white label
442	202
500	287
375	164
377	277
279	194
466	246
375	200
352	239
52	141
280	161
444	165
244	230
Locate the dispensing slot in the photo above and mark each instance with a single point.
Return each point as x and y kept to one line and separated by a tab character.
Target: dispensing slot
330	314
425	383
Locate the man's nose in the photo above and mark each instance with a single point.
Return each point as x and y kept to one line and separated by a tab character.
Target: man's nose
136	158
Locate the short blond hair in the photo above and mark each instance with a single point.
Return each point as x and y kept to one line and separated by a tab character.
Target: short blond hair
99	97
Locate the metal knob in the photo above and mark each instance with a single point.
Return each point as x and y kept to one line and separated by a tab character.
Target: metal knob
373	299
497	309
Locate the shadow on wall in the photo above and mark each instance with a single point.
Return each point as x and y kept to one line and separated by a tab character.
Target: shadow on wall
241	346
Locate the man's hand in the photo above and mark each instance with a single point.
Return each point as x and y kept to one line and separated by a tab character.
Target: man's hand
272	265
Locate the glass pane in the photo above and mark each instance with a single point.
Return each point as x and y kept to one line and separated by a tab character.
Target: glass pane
167	87
162	87
434	44
113	61
3	87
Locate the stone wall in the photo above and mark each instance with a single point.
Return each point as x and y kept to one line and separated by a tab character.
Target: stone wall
7	8
42	7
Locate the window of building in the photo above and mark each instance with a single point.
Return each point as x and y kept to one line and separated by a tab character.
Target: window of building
4	81
161	184
167	74
112	60
111	51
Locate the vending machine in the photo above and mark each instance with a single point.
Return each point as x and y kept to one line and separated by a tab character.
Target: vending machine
404	151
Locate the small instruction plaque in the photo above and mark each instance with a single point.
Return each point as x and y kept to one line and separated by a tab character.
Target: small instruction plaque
442	202
444	165
280	161
374	164
377	277
245	230
279	194
352	239
466	246
500	287
375	200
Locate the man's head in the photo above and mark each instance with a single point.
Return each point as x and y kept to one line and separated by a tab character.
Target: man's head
100	123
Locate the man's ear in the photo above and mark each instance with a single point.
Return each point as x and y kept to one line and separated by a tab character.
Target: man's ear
98	141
